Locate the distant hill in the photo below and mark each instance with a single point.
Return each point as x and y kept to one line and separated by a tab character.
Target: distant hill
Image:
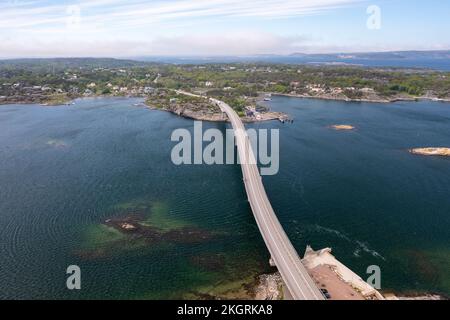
438	60
65	63
444	54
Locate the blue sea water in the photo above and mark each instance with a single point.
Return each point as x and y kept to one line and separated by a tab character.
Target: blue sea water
65	170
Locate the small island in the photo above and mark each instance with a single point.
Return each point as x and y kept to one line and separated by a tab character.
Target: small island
342	127
443	152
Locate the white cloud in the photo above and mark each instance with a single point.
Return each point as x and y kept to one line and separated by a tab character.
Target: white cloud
138	27
242	43
162	27
138	12
239	43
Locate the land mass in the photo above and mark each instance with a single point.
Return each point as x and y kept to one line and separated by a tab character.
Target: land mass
198	108
244	86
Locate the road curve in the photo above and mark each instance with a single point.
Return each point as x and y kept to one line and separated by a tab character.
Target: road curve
299	283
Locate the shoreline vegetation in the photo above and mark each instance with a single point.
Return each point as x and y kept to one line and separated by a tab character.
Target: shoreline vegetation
370	100
193	111
64	99
269	286
198	108
244	86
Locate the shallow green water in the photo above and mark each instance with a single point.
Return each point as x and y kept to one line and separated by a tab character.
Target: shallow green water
65	170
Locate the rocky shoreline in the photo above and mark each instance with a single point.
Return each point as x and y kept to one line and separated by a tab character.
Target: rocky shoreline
220	117
270	287
200	108
429	297
44	100
373	99
414	296
260	287
216	117
442	152
342	127
186	111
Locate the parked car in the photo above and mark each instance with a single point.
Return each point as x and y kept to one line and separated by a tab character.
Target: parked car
326	293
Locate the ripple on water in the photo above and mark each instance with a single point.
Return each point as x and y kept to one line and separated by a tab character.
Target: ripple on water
364	190
12	246
335	237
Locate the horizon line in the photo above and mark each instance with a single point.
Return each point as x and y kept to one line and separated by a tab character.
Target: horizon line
224	56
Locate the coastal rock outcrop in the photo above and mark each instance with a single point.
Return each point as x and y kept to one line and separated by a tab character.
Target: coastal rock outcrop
443	152
342	127
269	287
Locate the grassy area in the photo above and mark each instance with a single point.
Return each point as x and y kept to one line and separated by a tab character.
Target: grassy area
57	99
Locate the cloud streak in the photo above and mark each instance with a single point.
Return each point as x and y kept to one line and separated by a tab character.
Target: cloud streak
138	27
37	14
212	44
120	28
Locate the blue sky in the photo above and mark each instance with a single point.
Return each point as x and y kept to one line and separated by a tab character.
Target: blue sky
118	28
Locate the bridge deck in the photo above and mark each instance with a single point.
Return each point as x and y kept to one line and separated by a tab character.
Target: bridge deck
299	283
294	274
